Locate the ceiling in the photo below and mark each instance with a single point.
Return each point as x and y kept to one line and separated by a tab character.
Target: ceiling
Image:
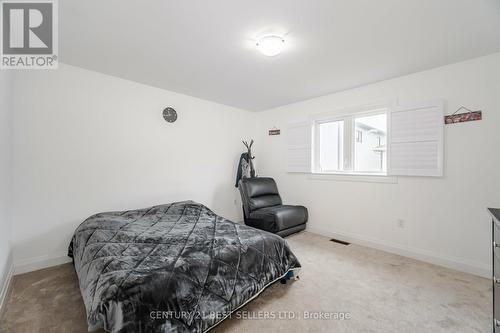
206	48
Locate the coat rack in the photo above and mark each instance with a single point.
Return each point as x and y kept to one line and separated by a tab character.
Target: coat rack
250	157
470	115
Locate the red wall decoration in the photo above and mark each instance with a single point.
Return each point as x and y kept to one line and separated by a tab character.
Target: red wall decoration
463	117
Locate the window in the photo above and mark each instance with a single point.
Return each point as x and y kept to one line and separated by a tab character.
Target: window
353	144
387	139
370	153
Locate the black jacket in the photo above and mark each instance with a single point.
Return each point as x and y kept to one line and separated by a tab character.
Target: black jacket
243	156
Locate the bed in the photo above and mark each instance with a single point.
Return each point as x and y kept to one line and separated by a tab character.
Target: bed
177	267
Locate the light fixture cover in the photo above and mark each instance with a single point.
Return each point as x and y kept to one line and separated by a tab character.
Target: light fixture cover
270	45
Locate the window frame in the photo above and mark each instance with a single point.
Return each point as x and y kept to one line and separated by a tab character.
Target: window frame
348	117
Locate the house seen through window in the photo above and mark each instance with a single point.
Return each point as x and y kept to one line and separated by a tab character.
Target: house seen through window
352	144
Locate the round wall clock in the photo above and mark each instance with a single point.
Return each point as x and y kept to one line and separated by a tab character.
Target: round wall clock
170	115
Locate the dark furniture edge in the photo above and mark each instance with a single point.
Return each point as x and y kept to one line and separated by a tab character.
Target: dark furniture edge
495	213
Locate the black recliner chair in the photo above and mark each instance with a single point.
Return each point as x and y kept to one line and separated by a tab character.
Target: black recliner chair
263	208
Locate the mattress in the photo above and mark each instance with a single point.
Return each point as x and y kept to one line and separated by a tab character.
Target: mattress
176	267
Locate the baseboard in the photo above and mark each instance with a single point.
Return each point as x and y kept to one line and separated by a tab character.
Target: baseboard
36	263
410	252
6	287
33	264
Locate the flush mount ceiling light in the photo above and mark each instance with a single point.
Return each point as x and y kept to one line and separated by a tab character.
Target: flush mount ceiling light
270	45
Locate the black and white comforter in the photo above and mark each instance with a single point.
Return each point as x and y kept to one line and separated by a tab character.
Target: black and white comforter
172	268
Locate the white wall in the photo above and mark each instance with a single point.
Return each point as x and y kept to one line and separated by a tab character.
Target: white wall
86	143
445	219
5	178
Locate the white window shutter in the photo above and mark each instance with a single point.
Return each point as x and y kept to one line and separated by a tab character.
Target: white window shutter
416	143
299	138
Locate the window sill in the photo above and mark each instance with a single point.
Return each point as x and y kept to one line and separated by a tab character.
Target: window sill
354	177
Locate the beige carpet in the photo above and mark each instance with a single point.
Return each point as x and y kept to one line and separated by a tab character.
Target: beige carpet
379	292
